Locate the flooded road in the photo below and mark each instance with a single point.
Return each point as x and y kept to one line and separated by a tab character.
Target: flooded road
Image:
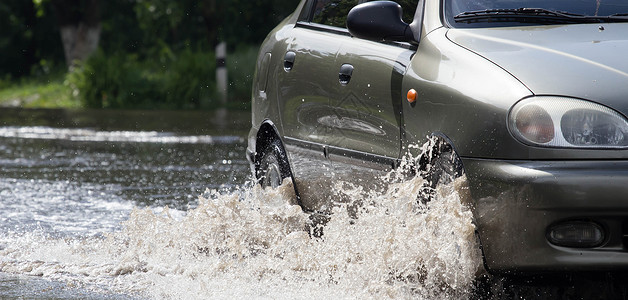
79	174
85	178
159	205
148	205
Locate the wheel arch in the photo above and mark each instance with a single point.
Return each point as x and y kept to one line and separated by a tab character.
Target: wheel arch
441	142
438	143
266	135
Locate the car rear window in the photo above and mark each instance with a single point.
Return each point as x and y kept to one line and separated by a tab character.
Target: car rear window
334	12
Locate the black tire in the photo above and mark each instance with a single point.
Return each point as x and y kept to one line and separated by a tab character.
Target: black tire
441	166
273	167
444	168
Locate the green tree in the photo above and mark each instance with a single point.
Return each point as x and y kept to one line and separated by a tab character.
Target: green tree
208	22
79	26
29	42
31	31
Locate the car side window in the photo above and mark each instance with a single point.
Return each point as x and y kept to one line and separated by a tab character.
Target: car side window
409	8
334	12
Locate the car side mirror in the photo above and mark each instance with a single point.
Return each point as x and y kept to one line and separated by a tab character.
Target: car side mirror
379	21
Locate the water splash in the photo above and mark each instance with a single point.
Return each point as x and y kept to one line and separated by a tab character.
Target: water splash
251	243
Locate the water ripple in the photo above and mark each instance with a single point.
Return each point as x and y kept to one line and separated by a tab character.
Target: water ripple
90	135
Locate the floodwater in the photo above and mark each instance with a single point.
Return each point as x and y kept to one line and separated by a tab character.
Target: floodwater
160	205
155	205
70	178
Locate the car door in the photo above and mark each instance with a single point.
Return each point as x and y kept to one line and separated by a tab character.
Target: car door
307	81
368	106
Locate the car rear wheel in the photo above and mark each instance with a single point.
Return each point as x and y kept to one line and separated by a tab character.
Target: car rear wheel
273	167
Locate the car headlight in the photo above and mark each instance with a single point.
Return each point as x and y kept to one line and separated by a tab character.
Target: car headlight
566	122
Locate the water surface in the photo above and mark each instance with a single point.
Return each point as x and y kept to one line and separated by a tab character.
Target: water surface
125	205
160	205
78	174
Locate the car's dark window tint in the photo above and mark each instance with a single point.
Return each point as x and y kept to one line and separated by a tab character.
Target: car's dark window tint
334	12
304	16
409	8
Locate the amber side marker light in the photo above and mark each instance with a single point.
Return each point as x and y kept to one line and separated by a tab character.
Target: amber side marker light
412	96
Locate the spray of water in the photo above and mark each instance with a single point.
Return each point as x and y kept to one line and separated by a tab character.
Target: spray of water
252	243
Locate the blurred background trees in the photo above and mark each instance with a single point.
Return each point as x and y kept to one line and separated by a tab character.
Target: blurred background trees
135	53
79	25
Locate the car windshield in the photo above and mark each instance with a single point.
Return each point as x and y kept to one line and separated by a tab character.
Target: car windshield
492	13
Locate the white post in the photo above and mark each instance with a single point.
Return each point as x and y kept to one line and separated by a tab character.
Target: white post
221	71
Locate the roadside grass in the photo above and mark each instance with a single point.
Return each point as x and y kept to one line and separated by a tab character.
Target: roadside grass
48	92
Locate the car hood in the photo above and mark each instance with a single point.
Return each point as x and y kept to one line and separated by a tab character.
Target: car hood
585	60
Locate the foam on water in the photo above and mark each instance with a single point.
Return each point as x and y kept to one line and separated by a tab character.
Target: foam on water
251	244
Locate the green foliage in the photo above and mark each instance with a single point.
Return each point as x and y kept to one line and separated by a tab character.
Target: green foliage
29	39
177	24
248	22
145	59
186	80
241	66
204	23
190	80
30	33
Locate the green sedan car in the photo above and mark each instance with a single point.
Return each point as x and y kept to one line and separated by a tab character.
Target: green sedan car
527	98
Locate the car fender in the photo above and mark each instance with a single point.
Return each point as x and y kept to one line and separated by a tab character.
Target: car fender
462	96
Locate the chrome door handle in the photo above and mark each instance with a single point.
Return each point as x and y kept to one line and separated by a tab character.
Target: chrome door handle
346	71
288	61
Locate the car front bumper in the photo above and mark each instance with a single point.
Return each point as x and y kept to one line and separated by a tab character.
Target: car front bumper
515	202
